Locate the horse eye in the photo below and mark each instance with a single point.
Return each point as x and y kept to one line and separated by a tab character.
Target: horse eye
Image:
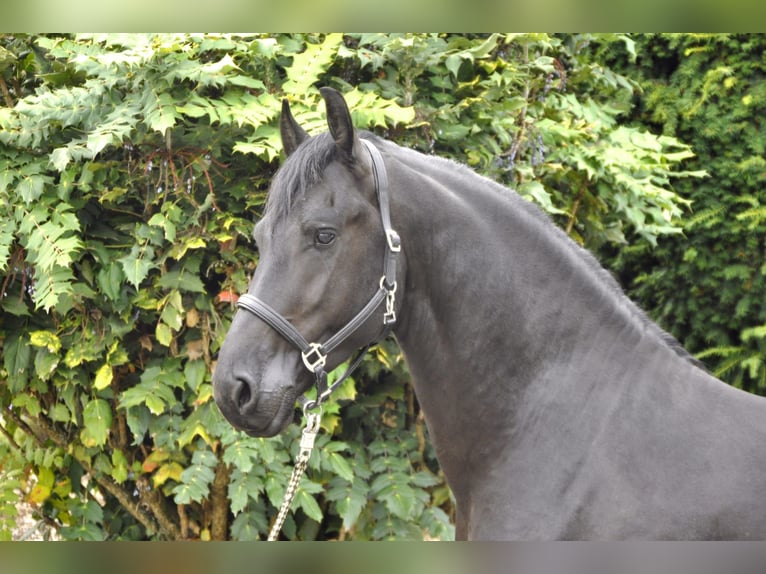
324	237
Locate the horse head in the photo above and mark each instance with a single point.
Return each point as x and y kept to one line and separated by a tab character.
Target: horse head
320	244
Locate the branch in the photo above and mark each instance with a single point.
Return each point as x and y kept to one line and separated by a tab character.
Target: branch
420	433
9	438
154	501
126	500
575	208
184	521
9	414
219	500
6	93
158	521
517	141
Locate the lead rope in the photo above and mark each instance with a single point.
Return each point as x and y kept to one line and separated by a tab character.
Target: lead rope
301	461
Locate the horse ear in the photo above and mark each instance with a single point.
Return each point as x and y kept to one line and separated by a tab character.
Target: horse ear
292	134
339	122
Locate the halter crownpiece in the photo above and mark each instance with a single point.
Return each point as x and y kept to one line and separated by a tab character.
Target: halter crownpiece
314	355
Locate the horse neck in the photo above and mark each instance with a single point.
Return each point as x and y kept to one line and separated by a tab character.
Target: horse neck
497	300
485	265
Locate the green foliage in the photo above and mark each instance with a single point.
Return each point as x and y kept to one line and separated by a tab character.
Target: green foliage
131	169
707	286
10	487
541	114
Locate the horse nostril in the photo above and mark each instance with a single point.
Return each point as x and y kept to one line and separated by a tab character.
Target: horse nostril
243	395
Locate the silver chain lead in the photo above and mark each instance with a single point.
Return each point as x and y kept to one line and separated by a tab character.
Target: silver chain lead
301	461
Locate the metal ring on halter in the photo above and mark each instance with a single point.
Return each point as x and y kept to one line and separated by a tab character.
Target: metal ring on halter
311	404
314	364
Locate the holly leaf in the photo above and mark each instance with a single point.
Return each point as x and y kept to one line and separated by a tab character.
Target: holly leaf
340	466
60	158
349	501
241	454
243	488
308	503
238	496
137	264
161	114
30	188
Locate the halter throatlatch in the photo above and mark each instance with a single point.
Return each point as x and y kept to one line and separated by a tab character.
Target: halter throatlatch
314	355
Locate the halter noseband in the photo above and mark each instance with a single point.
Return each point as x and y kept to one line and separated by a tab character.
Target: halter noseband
314	355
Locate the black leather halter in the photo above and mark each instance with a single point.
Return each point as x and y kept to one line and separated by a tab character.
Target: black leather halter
314	355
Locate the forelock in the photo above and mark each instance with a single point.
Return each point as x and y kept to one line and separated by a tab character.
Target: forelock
302	170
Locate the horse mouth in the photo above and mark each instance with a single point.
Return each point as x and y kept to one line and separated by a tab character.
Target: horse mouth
278	424
266	415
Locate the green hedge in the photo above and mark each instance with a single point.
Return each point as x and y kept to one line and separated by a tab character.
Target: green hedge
707	286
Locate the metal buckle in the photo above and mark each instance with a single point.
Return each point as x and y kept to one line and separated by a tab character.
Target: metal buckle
389	317
311	363
394	241
311	430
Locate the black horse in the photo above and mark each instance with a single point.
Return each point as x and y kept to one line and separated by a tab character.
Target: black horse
557	409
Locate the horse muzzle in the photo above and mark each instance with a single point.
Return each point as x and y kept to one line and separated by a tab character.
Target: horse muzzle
255	389
255	410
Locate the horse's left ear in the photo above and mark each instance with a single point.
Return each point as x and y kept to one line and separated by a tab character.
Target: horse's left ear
339	122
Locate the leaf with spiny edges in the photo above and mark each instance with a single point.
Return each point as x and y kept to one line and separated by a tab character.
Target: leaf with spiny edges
308	504
160	115
310	64
137	264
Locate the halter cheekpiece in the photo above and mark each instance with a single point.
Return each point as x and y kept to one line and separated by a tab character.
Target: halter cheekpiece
314	355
